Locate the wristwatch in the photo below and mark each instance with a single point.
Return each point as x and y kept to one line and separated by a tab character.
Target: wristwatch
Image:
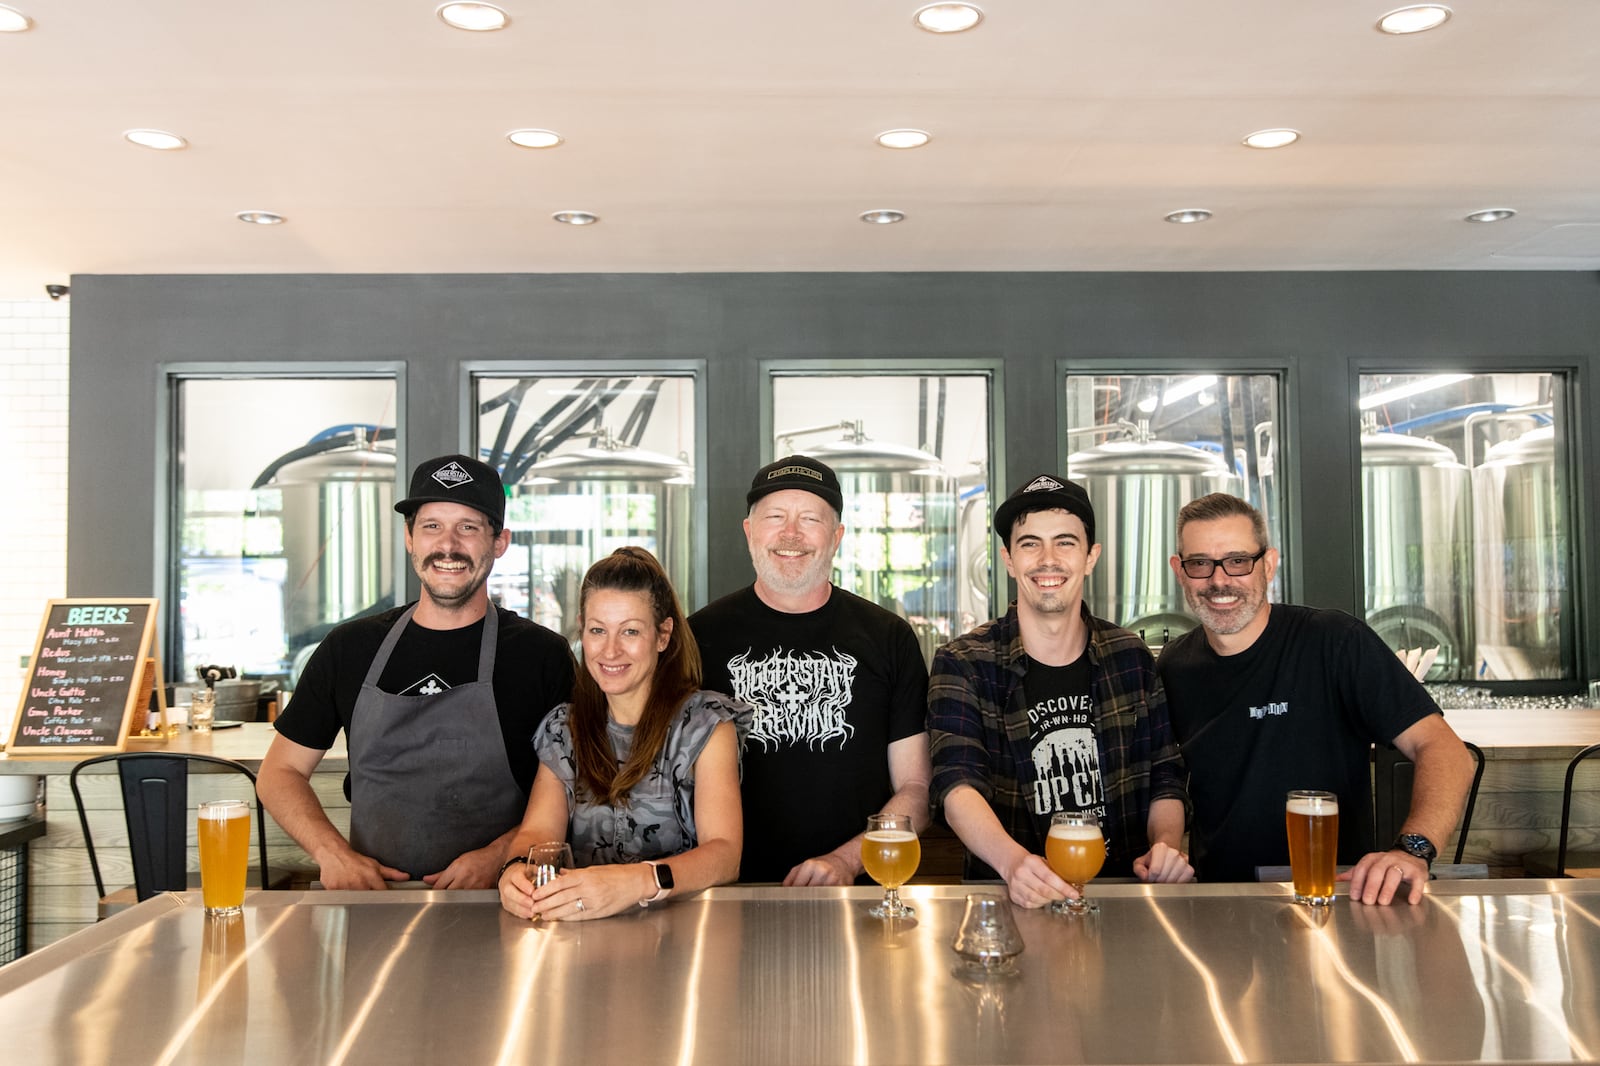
508	864
1418	845
664	883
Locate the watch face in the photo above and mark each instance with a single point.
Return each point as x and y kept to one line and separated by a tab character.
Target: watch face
663	875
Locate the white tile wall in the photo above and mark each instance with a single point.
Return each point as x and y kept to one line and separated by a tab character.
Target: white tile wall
33	438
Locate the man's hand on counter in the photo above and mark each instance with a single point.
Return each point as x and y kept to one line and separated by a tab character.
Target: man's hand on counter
475	869
347	868
1378	876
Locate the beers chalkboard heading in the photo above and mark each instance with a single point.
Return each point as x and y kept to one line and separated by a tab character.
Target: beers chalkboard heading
89	682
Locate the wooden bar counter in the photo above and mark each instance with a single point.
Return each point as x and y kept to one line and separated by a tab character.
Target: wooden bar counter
1486	971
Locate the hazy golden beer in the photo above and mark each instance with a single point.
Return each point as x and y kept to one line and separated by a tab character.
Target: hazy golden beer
890	856
1312	820
224	834
1075	853
890	852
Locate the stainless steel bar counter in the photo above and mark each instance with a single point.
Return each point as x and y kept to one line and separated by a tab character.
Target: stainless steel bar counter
1492	971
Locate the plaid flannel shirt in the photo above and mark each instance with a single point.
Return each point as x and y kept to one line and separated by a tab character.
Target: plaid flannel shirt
979	730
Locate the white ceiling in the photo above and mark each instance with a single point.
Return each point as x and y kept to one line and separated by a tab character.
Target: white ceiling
737	135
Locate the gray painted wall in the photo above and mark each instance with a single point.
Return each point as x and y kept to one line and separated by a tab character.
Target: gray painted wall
1324	329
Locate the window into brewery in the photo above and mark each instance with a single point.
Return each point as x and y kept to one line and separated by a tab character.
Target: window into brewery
1143	445
1466	546
283	522
591	462
913	453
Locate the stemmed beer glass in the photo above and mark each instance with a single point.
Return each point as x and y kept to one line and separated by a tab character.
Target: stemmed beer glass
890	852
1075	850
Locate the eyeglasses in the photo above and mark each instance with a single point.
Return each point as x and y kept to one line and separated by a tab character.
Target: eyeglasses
1232	565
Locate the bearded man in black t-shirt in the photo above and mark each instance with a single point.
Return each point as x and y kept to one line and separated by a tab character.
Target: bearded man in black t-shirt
438	702
1267	698
838	684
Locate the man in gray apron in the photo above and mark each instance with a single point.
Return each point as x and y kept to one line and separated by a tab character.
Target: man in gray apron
438	702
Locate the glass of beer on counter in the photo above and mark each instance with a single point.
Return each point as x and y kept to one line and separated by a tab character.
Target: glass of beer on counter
1312	819
890	852
224	835
1075	850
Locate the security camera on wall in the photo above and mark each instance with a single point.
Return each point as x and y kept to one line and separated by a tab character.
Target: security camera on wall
57	291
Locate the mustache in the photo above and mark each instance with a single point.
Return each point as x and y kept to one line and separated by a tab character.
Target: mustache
447	557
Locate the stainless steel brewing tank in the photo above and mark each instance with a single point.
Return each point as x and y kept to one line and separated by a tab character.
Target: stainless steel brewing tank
572	509
1417	518
1137	488
900	548
1521	568
338	522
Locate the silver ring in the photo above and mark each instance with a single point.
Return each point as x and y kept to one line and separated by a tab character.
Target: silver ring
580	903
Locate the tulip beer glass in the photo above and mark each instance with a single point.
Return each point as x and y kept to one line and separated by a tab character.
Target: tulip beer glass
224	836
1075	850
890	852
1312	820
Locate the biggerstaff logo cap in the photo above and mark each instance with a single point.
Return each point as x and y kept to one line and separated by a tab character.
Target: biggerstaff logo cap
1045	492
457	479
797	472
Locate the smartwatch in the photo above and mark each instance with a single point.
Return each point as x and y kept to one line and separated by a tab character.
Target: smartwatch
664	883
1418	845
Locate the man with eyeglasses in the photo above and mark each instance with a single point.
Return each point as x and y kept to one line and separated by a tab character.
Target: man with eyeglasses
1266	698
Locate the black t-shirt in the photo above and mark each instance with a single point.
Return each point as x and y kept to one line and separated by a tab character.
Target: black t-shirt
532	673
1299	708
1066	753
832	689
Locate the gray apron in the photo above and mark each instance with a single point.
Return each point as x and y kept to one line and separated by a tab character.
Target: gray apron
429	779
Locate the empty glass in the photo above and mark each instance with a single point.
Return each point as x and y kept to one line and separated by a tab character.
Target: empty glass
987	939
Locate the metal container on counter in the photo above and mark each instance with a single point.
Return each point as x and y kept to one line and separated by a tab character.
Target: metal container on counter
1417	516
1522	558
573	508
1138	487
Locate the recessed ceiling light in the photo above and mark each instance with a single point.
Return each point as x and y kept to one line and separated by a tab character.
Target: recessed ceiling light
478	17
1492	214
904	138
1414	19
1188	215
534	138
576	218
260	218
13	21
883	216
160	140
1277	138
947	18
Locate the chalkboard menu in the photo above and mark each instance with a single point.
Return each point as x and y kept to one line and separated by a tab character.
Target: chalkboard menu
89	678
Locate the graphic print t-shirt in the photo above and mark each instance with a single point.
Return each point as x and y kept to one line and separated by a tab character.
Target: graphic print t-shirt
1066	756
832	689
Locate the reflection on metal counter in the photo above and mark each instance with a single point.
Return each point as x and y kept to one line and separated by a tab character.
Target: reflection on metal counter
1483	971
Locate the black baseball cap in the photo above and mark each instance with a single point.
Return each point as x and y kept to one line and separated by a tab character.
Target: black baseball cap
1045	492
797	472
457	479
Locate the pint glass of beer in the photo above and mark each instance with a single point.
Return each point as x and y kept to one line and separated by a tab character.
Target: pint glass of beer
890	853
224	833
1312	819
